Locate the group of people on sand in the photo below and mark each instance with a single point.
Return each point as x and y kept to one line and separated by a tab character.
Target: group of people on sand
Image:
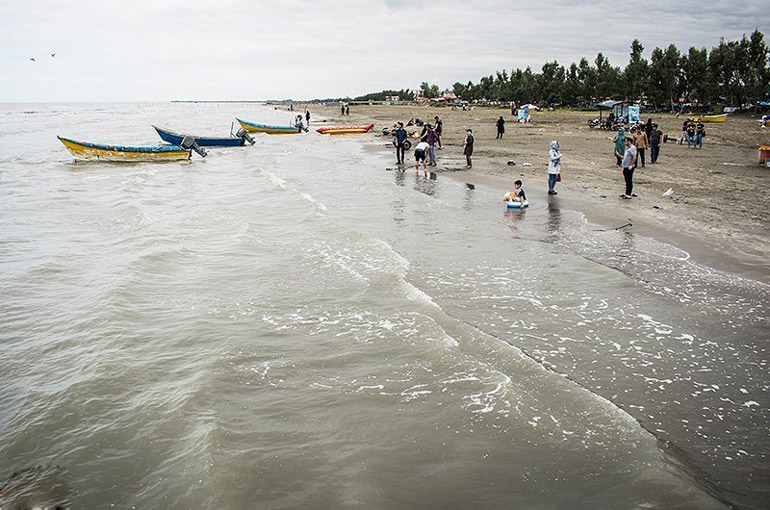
425	150
693	133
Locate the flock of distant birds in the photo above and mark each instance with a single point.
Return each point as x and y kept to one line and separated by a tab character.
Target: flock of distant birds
52	55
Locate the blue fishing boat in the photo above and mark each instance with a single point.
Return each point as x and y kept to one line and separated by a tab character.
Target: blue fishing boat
206	141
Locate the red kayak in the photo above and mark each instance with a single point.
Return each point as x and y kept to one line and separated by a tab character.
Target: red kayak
341	130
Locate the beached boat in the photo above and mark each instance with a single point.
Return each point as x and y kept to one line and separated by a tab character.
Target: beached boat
342	130
99	152
710	118
252	127
205	141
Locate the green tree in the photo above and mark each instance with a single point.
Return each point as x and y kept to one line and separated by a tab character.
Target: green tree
695	76
665	76
429	90
551	84
636	73
607	78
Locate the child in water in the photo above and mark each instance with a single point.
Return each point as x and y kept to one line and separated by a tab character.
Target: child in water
517	195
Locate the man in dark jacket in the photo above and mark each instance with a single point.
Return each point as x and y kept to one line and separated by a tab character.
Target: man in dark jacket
656	136
400	142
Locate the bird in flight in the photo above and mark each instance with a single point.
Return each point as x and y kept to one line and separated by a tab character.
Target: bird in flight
53	54
33	60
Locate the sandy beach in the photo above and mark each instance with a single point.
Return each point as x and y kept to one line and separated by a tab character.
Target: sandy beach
719	210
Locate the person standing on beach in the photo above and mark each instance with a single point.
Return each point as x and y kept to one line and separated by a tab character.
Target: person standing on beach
468	147
432	138
620	146
342	109
629	163
554	167
691	133
401	135
655	138
439	129
700	134
641	142
500	127
307	116
683	136
347	110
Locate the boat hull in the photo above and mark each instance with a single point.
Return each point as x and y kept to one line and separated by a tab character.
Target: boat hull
253	127
711	118
202	141
344	130
97	152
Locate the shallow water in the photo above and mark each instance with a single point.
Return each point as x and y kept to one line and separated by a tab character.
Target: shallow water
291	325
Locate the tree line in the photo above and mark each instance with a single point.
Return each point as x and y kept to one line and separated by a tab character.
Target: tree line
734	73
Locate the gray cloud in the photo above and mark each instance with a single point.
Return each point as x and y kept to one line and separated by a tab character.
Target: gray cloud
303	49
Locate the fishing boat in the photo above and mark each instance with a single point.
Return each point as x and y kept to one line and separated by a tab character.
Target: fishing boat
99	152
710	118
206	141
253	127
343	130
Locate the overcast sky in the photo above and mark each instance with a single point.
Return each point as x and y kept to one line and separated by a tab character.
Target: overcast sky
143	50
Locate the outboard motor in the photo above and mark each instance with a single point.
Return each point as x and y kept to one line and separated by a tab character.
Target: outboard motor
243	134
188	142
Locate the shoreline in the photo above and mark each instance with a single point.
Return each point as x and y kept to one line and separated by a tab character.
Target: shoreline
718	233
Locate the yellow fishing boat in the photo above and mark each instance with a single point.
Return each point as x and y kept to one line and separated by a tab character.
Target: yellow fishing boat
253	127
710	118
98	152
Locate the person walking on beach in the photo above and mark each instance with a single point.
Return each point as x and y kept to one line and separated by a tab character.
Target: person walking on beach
683	136
468	147
500	127
401	135
620	146
439	128
347	110
307	116
629	163
420	152
656	136
432	138
554	167
641	142
700	134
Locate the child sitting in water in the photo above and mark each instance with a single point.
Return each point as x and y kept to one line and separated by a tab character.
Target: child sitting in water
517	195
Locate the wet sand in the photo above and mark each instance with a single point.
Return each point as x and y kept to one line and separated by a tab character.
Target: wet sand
719	211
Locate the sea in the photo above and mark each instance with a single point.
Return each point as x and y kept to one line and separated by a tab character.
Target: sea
299	325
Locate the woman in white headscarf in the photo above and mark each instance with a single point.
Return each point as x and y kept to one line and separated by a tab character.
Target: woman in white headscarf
554	167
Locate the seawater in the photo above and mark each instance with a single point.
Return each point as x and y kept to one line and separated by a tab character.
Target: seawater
294	325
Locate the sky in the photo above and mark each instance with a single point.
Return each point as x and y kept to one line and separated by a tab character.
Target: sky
303	49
